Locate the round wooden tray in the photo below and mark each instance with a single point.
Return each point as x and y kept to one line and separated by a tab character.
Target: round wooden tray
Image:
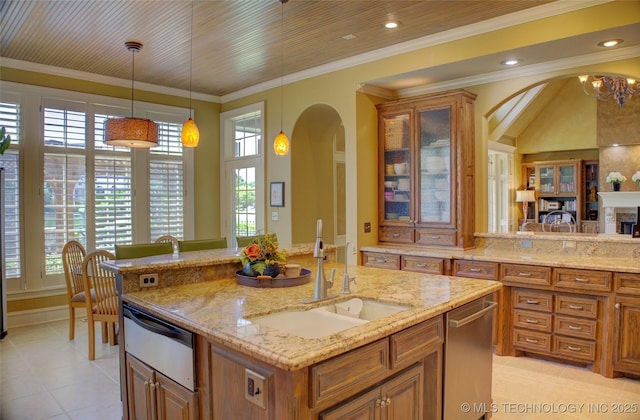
279	281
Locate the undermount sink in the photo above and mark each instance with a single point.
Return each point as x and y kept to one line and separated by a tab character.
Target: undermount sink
328	319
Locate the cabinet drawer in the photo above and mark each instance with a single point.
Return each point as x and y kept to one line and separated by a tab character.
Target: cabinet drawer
410	345
575	348
528	299
423	264
395	234
344	375
381	260
430	237
599	281
577	306
575	327
525	274
530	340
627	283
538	321
475	269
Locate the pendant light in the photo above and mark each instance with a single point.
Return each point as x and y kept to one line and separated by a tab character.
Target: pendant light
281	142
136	133
190	133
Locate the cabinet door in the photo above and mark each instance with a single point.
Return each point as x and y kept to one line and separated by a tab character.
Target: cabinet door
395	129
435	195
401	397
365	407
174	402
626	356
140	398
546	179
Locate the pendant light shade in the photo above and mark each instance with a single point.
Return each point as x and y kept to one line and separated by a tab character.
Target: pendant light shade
136	133
190	133
281	144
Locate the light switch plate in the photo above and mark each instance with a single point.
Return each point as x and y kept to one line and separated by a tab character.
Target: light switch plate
275	216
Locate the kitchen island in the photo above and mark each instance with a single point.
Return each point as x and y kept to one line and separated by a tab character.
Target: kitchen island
303	378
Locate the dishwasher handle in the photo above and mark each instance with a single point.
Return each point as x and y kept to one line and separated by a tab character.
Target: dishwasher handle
457	323
150	323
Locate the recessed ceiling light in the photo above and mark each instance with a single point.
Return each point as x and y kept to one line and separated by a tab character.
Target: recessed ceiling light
391	25
610	43
511	62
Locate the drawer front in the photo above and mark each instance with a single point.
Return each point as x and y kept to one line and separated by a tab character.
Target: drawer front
414	343
423	264
381	260
430	237
575	327
577	306
574	348
396	234
597	281
530	340
525	274
538	321
344	375
627	283
528	299
475	269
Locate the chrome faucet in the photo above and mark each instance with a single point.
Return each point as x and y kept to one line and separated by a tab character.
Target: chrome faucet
321	284
346	279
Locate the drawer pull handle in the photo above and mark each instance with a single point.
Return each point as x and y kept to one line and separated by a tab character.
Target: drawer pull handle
573	327
421	265
524	274
581	280
396	235
574	348
577	307
435	237
533	302
475	270
531	340
532	321
381	260
617	306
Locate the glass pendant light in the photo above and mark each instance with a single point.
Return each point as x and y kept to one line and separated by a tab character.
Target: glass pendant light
281	142
190	134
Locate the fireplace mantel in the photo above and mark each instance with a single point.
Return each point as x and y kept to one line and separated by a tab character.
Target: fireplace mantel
616	201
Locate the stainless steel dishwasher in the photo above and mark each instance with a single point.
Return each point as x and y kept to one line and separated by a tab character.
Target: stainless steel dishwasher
468	360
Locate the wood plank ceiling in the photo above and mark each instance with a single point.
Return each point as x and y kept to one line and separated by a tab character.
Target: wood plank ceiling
236	43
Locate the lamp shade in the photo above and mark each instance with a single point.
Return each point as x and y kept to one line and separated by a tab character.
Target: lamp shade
525	196
137	133
281	144
190	133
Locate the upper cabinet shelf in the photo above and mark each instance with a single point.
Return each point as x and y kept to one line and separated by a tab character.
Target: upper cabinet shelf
426	168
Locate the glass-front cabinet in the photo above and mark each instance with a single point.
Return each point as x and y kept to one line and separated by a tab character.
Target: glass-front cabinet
558	184
426	170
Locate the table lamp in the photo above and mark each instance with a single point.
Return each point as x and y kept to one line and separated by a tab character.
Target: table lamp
525	197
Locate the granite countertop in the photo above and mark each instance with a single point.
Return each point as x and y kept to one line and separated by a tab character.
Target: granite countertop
221	310
584	251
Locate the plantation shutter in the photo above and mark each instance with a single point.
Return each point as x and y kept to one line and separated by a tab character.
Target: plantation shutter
10	120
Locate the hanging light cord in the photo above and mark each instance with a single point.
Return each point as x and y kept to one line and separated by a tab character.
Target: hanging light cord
133	76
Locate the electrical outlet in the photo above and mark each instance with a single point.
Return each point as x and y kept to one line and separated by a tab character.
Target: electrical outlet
367	227
568	244
149	280
255	389
526	243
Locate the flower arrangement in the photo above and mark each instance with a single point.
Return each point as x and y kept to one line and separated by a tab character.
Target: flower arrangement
262	257
616	177
636	178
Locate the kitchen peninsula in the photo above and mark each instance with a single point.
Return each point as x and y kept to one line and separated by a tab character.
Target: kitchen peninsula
393	363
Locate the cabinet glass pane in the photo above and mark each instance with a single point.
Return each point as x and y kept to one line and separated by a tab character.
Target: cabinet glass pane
547	179
567	179
435	165
397	181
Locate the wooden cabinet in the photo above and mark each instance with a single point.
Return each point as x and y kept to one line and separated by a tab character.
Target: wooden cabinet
626	328
381	260
151	395
558	186
590	184
426	170
475	269
397	398
420	264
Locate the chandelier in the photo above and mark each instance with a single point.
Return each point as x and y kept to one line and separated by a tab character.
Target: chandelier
608	87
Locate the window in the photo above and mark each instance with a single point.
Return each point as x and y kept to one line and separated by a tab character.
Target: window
242	177
10	120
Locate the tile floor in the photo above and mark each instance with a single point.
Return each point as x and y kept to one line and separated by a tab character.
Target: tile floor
43	375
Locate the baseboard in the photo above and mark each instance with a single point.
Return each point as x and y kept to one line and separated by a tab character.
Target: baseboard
37	316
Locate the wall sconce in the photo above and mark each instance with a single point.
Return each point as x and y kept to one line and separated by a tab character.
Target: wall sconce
137	133
525	197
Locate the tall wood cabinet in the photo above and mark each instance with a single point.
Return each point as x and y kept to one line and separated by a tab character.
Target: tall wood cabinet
426	170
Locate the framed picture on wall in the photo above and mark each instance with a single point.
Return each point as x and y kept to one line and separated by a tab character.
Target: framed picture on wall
277	194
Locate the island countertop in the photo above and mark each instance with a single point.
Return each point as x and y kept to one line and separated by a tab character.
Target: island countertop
220	310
